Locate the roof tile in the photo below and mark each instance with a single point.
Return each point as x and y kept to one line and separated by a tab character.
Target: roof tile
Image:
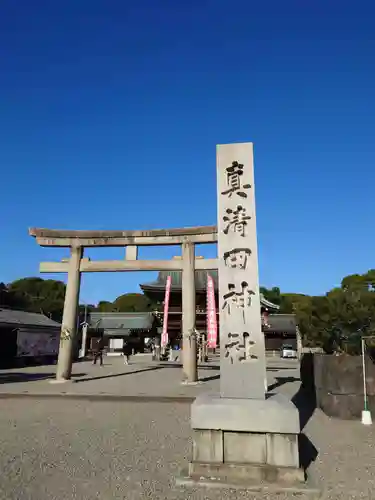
23	318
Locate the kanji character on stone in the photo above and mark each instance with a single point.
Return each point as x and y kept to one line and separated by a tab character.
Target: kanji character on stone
234	349
239	347
237	258
238	299
236	219
234	174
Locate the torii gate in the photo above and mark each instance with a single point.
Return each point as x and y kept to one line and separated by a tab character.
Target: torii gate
130	240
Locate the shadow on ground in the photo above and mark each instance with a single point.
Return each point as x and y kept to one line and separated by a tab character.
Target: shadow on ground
307	452
305	398
281	381
13	377
207	379
306	405
123	374
179	365
203	366
305	402
280	368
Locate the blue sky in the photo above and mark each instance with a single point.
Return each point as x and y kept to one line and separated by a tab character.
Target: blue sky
111	111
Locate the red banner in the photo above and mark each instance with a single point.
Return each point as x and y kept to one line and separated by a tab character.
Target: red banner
211	314
164	335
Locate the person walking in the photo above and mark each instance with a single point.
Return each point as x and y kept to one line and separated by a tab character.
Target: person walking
98	351
126	351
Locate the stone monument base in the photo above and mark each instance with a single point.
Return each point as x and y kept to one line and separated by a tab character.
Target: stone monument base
245	442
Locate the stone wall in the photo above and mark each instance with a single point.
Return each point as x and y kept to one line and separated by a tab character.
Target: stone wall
337	382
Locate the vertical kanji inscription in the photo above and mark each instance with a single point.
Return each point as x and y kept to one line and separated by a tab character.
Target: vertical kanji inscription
241	339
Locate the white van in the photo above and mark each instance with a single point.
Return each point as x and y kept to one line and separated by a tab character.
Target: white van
288	351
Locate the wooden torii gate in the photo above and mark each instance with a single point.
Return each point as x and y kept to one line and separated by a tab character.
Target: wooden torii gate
77	241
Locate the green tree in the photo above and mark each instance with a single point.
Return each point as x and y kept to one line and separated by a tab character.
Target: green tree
338	320
133	302
354	282
106	306
38	295
271	294
10	299
291	302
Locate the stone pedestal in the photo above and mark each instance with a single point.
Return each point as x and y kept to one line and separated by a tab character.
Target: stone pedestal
245	441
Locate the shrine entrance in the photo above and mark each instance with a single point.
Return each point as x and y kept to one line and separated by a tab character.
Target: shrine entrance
77	241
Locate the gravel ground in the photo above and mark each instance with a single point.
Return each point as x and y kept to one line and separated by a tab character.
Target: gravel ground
54	449
80	450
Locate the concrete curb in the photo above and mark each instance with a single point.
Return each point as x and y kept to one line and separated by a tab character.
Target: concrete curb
301	489
99	397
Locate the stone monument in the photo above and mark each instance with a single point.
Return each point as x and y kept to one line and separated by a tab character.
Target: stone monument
242	435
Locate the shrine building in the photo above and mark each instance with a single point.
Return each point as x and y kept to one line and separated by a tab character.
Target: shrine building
278	328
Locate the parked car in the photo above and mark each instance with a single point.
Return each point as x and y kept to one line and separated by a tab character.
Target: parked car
288	351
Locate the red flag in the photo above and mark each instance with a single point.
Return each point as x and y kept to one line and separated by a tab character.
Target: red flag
211	314
164	335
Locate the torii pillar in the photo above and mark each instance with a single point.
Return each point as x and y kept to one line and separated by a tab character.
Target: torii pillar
69	321
189	341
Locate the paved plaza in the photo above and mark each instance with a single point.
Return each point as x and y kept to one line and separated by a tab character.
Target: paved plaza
99	444
142	378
